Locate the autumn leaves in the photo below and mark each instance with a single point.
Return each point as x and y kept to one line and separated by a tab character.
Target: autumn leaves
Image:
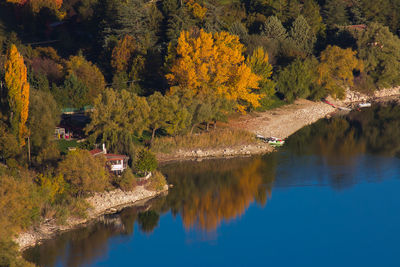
18	93
213	65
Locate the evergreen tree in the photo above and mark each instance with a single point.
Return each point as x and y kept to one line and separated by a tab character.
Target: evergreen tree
301	36
380	51
335	13
274	29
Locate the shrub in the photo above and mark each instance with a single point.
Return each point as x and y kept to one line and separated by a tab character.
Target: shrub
156	182
145	162
127	181
84	172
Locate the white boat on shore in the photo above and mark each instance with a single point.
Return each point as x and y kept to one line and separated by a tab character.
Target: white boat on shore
364	105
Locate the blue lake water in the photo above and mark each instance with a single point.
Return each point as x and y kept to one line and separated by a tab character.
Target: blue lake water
329	198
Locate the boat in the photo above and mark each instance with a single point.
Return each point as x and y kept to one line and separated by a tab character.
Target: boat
364	105
273	141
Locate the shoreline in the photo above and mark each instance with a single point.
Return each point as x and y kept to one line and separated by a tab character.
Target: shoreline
281	122
100	204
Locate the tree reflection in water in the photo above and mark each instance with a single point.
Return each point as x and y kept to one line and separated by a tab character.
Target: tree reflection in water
81	246
209	192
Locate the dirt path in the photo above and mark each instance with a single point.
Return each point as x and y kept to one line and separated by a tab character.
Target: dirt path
284	121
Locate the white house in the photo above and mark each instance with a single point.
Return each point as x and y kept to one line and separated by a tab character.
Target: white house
116	163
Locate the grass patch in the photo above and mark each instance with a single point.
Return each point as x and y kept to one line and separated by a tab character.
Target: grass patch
64	144
218	138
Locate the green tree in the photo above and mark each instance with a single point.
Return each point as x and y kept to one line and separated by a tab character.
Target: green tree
87	74
259	64
380	51
137	18
73	93
298	80
274	29
301	36
145	162
311	12
117	118
165	113
84	172
43	120
335	13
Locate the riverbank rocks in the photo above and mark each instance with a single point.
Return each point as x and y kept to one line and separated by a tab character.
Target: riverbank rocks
101	203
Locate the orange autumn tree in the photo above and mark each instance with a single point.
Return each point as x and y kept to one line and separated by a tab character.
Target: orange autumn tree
213	64
122	53
18	93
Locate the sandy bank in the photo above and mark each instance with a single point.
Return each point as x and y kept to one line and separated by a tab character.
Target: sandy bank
101	203
280	122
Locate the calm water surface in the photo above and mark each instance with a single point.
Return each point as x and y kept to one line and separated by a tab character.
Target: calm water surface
329	198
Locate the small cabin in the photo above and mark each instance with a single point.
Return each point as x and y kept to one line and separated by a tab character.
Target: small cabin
115	163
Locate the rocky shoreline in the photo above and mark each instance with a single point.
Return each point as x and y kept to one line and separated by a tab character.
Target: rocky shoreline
100	204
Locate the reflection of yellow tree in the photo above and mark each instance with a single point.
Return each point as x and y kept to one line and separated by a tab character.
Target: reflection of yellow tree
208	209
341	139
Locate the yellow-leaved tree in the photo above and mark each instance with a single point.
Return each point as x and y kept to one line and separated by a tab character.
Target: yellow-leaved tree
213	64
18	93
335	71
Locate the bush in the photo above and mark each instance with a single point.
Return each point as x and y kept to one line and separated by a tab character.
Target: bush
127	181
156	182
145	162
84	172
224	137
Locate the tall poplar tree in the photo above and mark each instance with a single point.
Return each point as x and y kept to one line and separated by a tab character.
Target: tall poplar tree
18	93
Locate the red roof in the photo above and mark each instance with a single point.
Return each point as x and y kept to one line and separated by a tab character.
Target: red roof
96	151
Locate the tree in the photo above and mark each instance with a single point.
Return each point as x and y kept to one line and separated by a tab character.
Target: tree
380	51
122	54
117	118
335	71
88	74
335	13
311	12
258	62
274	29
18	93
73	93
137	18
44	116
302	36
214	64
297	80
160	114
145	162
84	172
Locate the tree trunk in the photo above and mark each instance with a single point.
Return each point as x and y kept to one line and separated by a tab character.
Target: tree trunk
29	151
152	136
191	130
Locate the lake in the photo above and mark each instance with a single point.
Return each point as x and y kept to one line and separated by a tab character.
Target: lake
329	197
